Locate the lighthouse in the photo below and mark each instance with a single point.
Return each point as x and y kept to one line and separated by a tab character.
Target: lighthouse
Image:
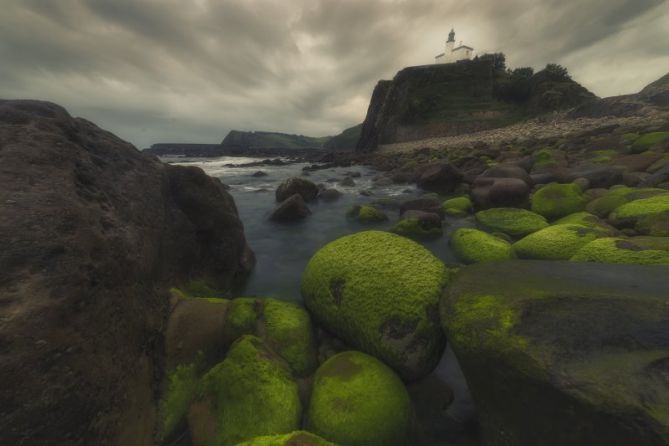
453	52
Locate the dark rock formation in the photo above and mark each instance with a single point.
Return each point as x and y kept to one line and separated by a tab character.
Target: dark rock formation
563	353
442	178
93	233
296	185
431	205
291	209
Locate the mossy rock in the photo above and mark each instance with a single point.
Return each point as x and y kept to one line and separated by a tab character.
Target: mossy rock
179	389
555	200
586	219
581	349
415	229
284	326
366	214
512	221
557	242
378	292
650	139
474	246
645	207
358	401
655	225
458	206
250	394
616	197
298	438
634	250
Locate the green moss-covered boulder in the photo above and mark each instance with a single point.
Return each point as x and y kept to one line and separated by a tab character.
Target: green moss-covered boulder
378	292
366	214
635	250
298	438
557	242
417	229
616	197
634	210
284	326
474	246
586	219
650	139
358	401
656	225
178	391
513	221
563	353
555	200
458	206
250	394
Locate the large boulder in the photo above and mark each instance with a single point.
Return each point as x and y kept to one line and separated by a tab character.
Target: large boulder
94	232
296	185
474	246
563	353
603	206
250	394
291	209
557	242
357	400
442	178
512	221
556	200
500	192
378	292
508	171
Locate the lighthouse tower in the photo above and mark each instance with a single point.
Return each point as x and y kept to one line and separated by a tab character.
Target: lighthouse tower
453	53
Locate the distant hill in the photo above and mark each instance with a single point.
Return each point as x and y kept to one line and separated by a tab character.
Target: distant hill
194	150
346	140
463	97
238	140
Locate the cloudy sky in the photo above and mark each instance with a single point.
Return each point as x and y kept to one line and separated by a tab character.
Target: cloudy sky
190	70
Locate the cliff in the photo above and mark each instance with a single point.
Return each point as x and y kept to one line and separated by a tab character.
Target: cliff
93	234
463	97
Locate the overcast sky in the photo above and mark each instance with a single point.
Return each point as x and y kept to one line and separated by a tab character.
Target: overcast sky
190	70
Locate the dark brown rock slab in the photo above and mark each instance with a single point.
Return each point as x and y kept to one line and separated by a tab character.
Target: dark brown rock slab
92	234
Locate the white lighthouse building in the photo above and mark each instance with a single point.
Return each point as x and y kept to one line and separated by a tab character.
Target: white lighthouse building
453	53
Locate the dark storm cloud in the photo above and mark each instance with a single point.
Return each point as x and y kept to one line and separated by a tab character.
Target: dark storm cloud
190	70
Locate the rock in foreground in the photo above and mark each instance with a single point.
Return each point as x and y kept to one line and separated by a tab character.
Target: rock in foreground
93	234
379	292
358	401
560	353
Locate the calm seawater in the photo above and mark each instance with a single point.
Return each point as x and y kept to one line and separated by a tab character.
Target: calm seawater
283	250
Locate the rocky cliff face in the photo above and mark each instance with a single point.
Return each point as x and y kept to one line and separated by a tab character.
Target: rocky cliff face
463	97
92	234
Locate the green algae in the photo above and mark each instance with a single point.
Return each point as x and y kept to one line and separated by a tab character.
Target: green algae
358	401
635	250
656	225
650	139
250	394
458	206
297	438
555	200
618	196
413	228
557	242
366	214
586	219
642	208
512	221
288	332
378	291
181	386
474	246
284	326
